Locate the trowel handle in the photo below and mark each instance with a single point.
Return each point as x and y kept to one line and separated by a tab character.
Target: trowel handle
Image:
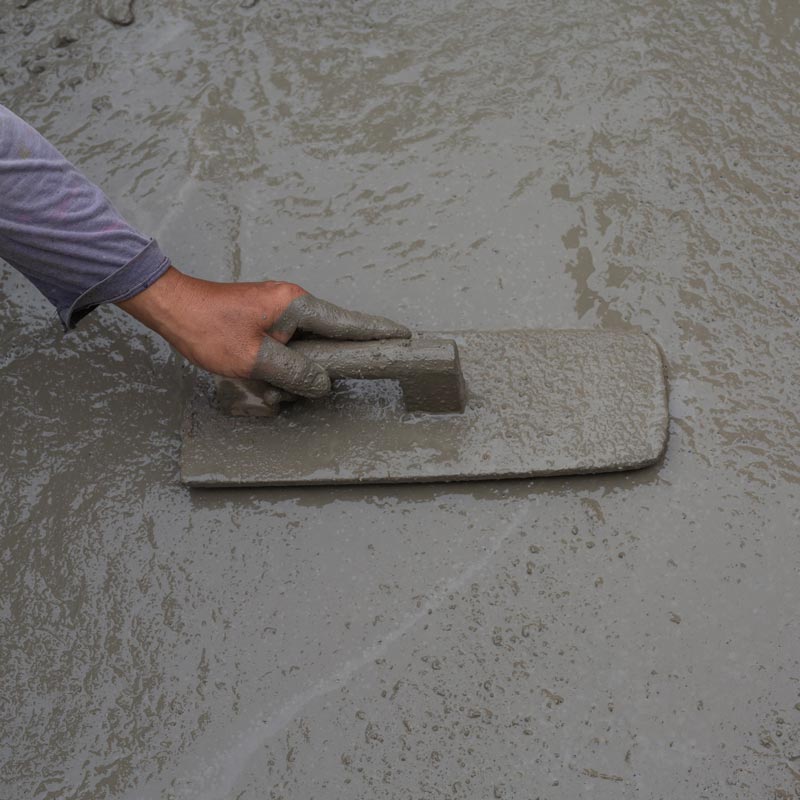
428	370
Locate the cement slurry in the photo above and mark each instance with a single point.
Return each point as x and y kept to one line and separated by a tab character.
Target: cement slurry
539	402
454	166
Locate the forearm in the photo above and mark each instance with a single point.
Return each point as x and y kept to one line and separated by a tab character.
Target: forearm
61	231
180	309
159	306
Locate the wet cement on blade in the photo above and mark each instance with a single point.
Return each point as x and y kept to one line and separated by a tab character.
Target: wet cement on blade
539	403
452	166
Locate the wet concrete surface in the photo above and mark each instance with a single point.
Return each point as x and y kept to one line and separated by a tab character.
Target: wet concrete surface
454	165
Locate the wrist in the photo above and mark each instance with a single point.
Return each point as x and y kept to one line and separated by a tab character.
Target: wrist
161	304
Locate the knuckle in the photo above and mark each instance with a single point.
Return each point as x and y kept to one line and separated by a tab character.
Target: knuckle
291	291
283	291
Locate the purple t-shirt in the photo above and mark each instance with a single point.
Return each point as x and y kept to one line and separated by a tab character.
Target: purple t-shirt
61	231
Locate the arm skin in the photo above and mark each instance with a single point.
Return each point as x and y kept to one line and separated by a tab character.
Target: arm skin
216	326
239	329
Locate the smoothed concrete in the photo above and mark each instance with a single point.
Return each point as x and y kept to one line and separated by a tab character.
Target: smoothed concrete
539	402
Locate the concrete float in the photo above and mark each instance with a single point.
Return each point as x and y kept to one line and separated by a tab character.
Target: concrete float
454	406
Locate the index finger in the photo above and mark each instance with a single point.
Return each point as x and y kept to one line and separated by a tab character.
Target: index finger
312	315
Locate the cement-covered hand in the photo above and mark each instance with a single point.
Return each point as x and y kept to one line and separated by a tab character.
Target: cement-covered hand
293	372
240	330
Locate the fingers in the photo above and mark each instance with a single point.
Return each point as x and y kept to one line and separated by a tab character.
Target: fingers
273	396
291	371
285	369
312	315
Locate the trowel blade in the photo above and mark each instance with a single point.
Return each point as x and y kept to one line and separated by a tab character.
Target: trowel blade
539	402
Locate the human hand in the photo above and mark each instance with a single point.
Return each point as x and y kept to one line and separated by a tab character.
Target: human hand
240	330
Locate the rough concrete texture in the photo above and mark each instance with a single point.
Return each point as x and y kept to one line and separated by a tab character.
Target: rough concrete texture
454	165
120	12
538	403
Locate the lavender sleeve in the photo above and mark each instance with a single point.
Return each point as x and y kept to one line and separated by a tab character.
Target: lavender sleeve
61	231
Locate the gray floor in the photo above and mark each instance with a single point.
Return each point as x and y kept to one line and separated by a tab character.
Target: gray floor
456	165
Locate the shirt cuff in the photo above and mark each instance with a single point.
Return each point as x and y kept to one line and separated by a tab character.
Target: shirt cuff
140	272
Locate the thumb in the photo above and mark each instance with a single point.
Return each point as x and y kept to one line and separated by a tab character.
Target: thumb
289	370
